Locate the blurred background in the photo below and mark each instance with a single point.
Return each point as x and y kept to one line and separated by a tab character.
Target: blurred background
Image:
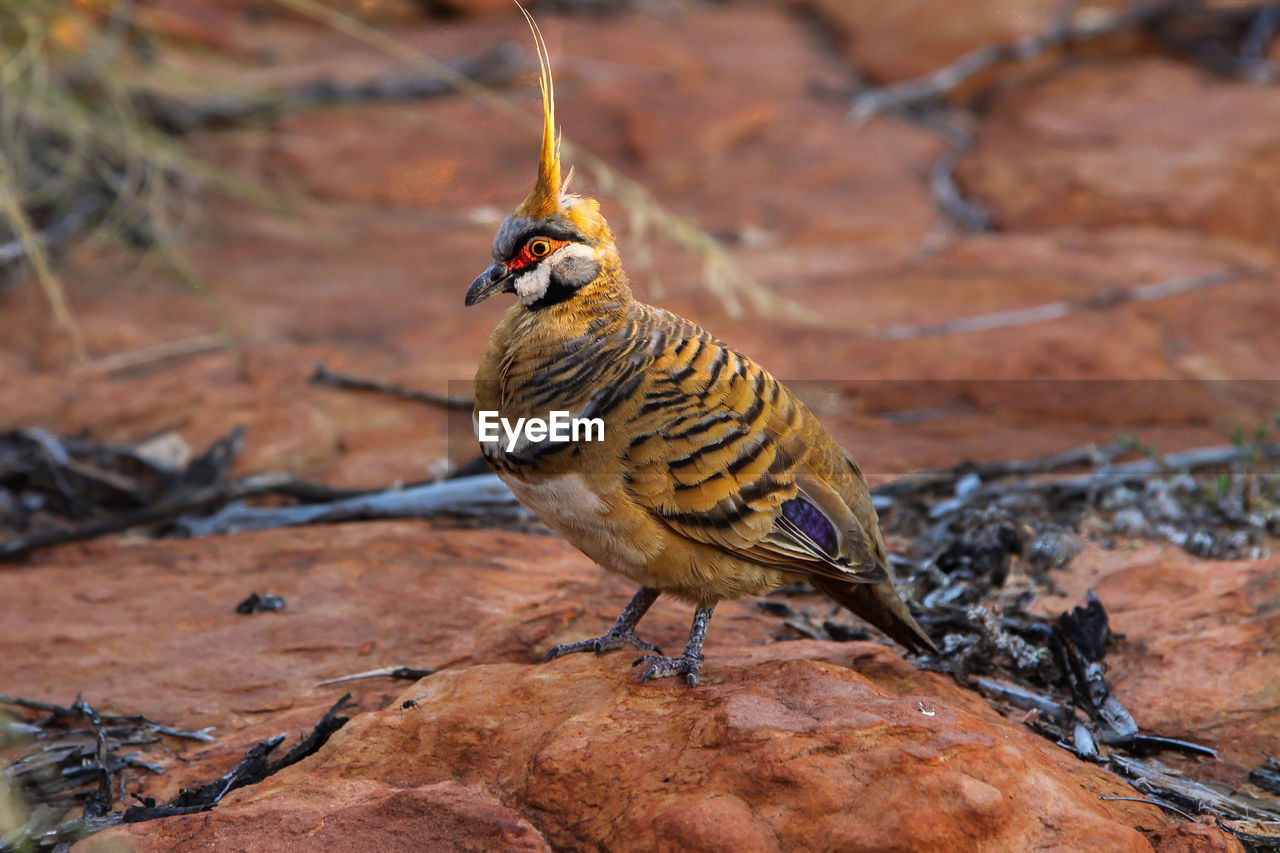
978	229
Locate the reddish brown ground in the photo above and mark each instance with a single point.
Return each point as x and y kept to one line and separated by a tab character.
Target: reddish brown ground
1112	173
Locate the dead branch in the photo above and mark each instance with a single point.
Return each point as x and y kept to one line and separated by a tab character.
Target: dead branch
204	484
1057	310
1104	476
325	376
203	500
117	488
483	496
68	712
923	482
1232	42
966	212
1151	801
495	67
168	351
1161	20
403	673
1188	460
75	759
1267	777
251	770
1153	777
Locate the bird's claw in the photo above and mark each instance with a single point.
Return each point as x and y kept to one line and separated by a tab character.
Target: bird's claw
604	643
663	667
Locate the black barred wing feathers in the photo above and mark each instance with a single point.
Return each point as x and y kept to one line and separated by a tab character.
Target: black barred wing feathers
722	452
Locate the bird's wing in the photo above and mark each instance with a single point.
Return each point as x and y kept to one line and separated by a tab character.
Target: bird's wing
720	451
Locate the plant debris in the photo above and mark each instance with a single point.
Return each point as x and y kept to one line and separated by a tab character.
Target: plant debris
253	769
970	520
57	490
1267	777
75	760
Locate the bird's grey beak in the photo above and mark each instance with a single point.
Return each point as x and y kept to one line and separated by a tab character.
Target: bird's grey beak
495	279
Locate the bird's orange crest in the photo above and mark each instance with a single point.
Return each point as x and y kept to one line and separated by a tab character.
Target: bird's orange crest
544	199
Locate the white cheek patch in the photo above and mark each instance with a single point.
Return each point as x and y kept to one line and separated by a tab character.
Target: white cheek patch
532	285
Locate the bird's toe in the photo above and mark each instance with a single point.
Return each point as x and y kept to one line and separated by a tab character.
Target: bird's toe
604	643
665	667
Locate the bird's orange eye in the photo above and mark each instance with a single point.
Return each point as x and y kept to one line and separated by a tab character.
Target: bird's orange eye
540	248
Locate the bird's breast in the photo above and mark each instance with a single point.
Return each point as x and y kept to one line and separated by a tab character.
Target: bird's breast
591	519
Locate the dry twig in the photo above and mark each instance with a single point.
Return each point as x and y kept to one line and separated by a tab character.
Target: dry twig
1229	40
333	379
1064	308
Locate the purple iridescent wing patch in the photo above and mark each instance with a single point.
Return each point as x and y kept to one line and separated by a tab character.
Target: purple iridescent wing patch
810	519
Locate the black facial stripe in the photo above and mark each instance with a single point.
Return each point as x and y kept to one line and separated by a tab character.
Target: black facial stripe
557	292
568	274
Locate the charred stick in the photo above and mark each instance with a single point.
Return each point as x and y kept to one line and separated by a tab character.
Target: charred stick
1063	33
483	496
945	479
1104	476
204	484
333	379
1105	300
1151	801
99	803
1023	697
316	738
252	769
404	673
1254	843
165	510
966	212
115	721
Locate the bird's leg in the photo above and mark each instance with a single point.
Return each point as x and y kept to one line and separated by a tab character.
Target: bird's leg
690	661
622	632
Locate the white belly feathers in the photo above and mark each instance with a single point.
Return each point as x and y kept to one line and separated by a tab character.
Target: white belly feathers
568	506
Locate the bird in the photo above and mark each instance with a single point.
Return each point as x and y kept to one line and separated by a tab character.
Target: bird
711	481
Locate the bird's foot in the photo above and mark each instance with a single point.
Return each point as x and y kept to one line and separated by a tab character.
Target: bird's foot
605	643
688	665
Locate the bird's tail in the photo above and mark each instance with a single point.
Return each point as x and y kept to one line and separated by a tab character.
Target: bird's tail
880	605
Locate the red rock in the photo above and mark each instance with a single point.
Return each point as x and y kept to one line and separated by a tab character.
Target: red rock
785	747
810	740
357	816
1100	147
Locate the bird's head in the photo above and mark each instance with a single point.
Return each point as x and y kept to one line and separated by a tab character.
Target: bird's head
554	243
